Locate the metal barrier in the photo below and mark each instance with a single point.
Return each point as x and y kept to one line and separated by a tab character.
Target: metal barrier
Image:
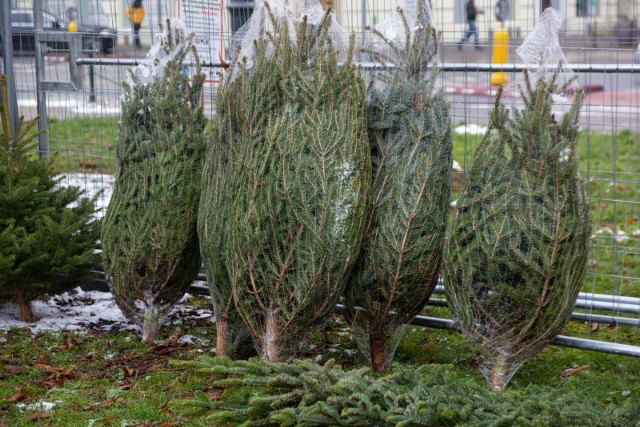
79	88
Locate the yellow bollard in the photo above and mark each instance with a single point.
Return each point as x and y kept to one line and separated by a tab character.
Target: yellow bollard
500	56
73	26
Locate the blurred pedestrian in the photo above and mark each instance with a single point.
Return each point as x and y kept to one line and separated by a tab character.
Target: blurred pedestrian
135	14
472	12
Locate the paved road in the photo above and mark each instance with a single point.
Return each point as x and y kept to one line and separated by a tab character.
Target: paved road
615	108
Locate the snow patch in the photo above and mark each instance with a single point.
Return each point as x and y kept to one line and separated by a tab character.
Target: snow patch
40	406
618	235
470	129
93	184
80	311
189	340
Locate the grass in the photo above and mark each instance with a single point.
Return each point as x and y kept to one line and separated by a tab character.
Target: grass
112	379
84	144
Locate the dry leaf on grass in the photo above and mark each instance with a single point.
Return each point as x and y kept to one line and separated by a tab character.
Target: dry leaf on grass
569	372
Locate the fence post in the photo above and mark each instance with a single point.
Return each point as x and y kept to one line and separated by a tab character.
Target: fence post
7	56
43	122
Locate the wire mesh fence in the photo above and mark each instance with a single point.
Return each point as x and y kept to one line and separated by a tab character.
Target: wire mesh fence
599	38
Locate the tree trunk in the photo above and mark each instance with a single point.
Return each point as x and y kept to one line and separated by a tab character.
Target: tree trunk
222	335
271	351
26	312
500	373
377	346
150	325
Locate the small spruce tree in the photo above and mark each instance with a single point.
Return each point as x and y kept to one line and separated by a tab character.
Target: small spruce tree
48	233
298	170
519	242
411	144
150	246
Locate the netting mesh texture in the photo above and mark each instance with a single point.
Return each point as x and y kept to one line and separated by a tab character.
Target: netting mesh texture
411	145
291	164
149	240
518	246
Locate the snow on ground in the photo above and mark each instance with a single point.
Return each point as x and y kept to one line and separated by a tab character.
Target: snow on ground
618	235
78	310
470	129
92	184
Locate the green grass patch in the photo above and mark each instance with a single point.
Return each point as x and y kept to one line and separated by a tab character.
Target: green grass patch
84	144
113	379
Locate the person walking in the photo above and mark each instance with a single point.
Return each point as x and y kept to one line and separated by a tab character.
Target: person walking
135	14
472	11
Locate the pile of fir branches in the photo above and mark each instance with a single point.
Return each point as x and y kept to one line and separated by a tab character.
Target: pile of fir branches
48	232
303	393
411	145
519	242
150	245
297	168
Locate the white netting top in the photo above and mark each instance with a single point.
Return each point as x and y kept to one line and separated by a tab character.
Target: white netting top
542	45
398	31
162	52
394	26
242	43
542	52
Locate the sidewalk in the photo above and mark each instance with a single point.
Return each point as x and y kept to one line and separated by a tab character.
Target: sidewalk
577	50
478	83
598	92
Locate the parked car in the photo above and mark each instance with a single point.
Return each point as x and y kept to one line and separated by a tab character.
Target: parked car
94	37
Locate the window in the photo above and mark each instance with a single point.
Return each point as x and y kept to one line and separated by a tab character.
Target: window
22	18
587	7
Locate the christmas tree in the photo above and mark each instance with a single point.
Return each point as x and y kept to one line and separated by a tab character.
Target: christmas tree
298	170
411	143
149	237
232	337
519	242
48	233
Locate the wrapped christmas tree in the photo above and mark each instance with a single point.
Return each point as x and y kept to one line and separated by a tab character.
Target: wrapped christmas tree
149	237
298	169
411	143
519	242
48	233
232	337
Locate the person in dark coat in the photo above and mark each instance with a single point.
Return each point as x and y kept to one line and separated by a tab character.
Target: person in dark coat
472	11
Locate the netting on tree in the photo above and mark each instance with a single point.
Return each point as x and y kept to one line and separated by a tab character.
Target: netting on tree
518	245
393	37
149	241
261	24
294	166
411	145
542	53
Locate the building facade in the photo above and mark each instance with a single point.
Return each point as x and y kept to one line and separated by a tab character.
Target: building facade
582	18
